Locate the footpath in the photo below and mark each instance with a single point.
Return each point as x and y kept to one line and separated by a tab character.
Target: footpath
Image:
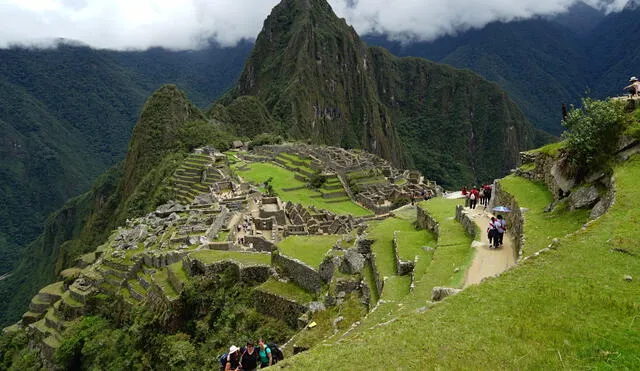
488	262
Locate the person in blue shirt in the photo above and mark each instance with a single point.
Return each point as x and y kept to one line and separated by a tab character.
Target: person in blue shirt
265	354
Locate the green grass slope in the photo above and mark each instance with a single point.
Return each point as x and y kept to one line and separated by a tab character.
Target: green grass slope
569	308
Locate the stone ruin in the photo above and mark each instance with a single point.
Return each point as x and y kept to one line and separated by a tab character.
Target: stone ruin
305	221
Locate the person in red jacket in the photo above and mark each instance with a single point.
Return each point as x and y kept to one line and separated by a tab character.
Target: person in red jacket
474	194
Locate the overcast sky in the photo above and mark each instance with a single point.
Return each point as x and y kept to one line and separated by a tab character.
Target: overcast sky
187	24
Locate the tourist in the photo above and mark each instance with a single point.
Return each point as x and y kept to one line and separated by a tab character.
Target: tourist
634	88
501	227
473	197
481	196
249	359
264	352
487	194
464	190
491	230
233	359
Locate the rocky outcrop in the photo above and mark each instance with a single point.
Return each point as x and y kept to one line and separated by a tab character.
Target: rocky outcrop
583	197
439	293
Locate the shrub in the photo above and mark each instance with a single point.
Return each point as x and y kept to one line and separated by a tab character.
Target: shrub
593	132
317	180
265	139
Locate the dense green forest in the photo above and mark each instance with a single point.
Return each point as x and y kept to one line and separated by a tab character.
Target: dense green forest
66	115
542	62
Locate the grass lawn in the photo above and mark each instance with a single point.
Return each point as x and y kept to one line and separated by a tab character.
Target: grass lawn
410	244
246	258
540	227
288	290
309	249
161	278
569	308
284	179
552	149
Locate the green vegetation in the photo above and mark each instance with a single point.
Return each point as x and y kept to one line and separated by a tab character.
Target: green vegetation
453	253
568	308
410	244
552	149
290	189
265	139
288	290
540	227
351	311
593	131
212	256
309	249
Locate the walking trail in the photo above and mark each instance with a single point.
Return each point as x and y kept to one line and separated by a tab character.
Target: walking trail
488	262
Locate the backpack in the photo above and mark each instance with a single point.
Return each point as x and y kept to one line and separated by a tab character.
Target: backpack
223	361
472	197
276	353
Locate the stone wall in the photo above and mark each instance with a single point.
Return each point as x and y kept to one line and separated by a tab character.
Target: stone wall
402	267
302	274
426	221
260	243
278	307
515	220
467	223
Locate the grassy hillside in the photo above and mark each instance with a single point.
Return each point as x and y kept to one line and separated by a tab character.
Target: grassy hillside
571	307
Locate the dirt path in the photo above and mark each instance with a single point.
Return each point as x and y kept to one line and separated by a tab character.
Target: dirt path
488	262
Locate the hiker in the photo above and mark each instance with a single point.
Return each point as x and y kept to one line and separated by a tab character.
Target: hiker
249	359
501	227
264	352
634	88
232	359
464	190
487	194
491	230
481	196
473	197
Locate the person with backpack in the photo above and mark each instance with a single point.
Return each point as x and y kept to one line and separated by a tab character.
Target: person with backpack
276	353
501	227
250	358
264	352
231	361
473	198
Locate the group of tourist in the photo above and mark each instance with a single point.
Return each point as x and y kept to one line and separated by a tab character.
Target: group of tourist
249	357
495	231
482	194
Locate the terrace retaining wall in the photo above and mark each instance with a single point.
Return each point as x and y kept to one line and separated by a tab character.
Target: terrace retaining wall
304	275
467	223
278	307
426	221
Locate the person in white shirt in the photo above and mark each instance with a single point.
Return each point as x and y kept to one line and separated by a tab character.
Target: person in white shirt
634	88
501	227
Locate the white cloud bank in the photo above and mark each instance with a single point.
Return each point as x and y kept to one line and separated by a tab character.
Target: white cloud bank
188	24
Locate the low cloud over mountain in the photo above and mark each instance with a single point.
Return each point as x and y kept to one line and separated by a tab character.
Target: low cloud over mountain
189	24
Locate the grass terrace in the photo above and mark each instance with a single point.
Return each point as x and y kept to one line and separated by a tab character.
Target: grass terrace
284	179
540	227
569	308
308	249
245	258
287	290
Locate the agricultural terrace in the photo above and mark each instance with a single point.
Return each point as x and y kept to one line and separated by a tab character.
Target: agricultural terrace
291	189
569	308
308	249
541	227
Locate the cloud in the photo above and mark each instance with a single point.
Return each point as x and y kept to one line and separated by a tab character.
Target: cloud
189	24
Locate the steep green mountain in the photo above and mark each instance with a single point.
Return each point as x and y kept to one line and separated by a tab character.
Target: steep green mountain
170	126
66	115
312	73
538	62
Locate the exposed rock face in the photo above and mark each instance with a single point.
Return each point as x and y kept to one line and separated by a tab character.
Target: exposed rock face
583	198
353	262
439	293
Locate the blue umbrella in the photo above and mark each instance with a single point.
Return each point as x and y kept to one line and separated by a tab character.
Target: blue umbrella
502	209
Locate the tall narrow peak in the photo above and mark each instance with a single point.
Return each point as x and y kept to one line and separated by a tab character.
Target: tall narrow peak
319	81
310	69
